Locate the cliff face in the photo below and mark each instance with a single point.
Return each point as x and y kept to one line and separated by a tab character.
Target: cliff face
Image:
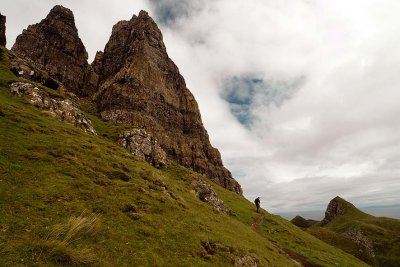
2	30
140	85
54	45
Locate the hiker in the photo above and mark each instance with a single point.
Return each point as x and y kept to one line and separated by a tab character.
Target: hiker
257	202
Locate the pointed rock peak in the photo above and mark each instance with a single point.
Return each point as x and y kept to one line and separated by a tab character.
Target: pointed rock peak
148	26
337	207
61	13
134	17
54	45
144	14
141	86
60	10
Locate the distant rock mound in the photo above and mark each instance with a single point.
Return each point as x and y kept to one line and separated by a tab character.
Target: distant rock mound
54	45
336	207
140	85
302	222
3	40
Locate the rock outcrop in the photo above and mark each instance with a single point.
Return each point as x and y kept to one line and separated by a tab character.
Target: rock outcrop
143	145
26	69
140	85
206	194
63	109
336	207
245	261
357	236
54	45
3	40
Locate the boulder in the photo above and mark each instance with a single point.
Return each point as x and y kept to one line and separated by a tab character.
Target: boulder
143	145
246	261
206	194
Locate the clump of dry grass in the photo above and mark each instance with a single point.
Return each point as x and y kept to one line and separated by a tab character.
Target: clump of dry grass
62	244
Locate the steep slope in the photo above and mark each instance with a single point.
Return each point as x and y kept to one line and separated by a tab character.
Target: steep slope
71	198
141	86
54	45
376	240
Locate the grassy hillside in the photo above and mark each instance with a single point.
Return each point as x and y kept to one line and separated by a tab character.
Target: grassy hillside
382	234
70	198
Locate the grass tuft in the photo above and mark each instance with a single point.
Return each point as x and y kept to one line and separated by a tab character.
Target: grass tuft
63	244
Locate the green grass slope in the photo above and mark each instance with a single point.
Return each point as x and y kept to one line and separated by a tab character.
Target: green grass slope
68	198
383	233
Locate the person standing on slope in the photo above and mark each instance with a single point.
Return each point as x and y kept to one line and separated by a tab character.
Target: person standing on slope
257	202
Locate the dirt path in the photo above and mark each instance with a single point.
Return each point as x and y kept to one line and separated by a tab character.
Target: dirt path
297	259
256	225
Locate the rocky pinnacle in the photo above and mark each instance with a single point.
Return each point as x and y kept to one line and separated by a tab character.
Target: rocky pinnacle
54	45
141	85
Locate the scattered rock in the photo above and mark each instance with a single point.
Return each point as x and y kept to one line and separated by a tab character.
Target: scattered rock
3	40
206	194
128	208
118	175
208	249
359	238
246	261
143	145
131	211
63	109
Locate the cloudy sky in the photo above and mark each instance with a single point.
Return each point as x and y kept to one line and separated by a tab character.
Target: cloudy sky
302	97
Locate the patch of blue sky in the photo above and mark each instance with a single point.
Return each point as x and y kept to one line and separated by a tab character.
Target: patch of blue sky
246	92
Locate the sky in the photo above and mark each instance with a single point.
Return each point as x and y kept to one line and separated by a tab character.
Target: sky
301	97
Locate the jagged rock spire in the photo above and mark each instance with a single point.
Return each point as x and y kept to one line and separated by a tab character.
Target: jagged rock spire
54	45
141	85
